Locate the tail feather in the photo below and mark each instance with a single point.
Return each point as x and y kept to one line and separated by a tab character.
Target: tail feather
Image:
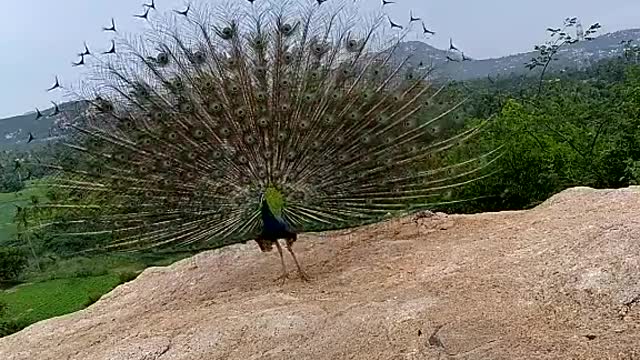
192	122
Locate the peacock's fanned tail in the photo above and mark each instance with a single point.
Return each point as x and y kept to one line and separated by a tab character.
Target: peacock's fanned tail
192	125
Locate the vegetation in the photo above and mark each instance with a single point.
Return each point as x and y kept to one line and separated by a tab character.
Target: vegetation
33	302
582	130
12	263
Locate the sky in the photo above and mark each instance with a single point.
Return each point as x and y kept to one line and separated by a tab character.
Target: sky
39	38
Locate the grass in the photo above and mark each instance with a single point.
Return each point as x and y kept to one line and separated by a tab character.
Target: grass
70	285
8	202
32	302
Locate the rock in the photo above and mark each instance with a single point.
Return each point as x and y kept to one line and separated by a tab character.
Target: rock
547	283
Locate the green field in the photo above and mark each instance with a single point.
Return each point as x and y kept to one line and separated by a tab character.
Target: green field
8	203
32	302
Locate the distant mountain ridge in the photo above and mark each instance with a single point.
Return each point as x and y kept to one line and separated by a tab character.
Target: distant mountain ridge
14	131
578	55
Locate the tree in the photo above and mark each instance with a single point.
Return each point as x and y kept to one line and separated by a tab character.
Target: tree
559	38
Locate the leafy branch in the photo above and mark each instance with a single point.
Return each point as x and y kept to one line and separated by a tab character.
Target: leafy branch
559	38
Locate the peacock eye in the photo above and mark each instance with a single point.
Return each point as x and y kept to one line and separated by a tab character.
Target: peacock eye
263	122
198	134
286	29
352	45
186	108
215	107
227	33
172	136
162	58
199	57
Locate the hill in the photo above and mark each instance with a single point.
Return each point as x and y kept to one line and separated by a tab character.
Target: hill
576	56
556	282
14	131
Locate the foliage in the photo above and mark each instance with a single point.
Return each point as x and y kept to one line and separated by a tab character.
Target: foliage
582	131
12	263
127	276
559	38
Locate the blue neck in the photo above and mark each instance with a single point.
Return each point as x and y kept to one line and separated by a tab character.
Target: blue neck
272	227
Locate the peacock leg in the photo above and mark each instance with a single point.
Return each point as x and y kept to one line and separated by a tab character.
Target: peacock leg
284	276
303	275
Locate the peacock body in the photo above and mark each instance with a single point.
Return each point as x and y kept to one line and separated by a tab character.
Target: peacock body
253	120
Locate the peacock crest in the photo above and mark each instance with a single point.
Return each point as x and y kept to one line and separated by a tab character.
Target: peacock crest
218	111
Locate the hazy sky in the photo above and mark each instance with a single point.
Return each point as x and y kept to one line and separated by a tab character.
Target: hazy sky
39	38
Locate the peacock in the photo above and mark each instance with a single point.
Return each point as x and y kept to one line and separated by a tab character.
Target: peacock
253	121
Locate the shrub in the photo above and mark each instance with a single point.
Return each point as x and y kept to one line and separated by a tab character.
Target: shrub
12	262
93	298
127	276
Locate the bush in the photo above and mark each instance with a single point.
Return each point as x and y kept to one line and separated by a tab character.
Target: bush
93	298
8	327
12	262
127	276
